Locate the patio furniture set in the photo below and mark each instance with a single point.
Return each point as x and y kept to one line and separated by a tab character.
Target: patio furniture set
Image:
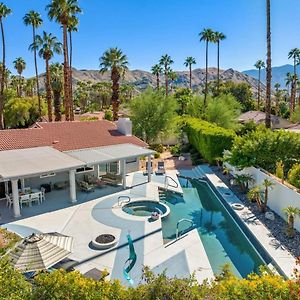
28	196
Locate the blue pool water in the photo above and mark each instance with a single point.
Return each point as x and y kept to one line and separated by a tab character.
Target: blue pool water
222	238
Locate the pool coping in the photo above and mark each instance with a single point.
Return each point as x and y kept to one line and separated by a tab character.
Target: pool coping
280	256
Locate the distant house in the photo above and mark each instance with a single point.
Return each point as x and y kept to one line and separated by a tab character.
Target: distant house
294	128
258	117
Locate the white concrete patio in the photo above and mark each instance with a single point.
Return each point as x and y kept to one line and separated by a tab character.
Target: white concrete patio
88	218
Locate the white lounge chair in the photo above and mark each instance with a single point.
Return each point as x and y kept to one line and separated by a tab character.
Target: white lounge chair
160	168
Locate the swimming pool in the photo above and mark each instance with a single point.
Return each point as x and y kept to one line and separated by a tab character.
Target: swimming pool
222	238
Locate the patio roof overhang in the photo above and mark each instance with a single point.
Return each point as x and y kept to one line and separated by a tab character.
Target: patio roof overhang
31	162
108	154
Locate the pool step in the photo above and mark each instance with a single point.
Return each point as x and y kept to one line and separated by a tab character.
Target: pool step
162	195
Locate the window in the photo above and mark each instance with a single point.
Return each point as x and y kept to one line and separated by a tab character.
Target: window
85	169
47	175
131	160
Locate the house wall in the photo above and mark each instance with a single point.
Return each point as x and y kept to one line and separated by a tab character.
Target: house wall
280	196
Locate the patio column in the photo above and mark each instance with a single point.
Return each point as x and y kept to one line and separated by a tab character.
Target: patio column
149	168
15	196
72	181
123	172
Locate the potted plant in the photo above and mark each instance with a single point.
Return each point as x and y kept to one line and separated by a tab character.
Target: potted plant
291	213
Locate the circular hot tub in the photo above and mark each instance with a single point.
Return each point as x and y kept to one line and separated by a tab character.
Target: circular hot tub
146	208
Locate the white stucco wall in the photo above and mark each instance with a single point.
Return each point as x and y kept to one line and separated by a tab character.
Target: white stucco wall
280	196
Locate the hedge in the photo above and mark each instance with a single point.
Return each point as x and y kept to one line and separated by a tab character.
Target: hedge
209	139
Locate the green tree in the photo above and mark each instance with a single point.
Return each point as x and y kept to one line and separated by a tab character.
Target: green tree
29	87
114	60
47	45
153	115
33	18
294	54
62	11
183	96
56	75
165	61
269	66
291	213
218	37
278	93
259	65
189	61
157	70
19	65
4	12
207	35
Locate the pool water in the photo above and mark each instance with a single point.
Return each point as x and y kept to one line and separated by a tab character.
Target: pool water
222	238
144	208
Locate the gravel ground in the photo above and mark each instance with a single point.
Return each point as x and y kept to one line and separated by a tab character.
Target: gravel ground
277	227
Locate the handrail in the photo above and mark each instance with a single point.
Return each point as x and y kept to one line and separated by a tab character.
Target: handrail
167	183
179	222
123	196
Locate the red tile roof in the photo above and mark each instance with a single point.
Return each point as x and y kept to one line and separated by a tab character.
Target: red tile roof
65	136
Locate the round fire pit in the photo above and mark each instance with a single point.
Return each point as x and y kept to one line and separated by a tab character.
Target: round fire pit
104	241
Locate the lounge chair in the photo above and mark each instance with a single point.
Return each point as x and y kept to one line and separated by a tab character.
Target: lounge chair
85	187
93	180
113	179
160	168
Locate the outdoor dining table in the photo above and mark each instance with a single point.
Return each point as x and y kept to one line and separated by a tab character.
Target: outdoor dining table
29	200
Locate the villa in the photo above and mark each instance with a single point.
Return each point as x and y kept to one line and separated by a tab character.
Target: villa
60	154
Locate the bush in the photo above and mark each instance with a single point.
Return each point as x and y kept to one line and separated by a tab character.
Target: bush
108	115
264	147
294	176
156	155
279	170
175	150
157	147
209	139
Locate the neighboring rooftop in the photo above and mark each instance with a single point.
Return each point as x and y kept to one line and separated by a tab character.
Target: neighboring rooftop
65	136
258	117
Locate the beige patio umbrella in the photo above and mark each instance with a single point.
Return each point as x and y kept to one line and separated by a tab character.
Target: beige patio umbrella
40	251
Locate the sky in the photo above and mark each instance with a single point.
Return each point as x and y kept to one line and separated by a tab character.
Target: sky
147	29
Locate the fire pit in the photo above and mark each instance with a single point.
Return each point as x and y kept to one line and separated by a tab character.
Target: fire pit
104	241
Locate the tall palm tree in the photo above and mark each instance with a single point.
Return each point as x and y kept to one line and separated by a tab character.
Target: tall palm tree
33	18
295	55
61	11
157	70
114	60
189	61
19	65
207	35
7	74
72	27
4	12
165	61
29	87
218	37
277	97
291	213
47	45
269	66
56	72
289	84
259	65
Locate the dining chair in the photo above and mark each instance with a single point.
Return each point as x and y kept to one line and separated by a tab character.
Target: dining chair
9	201
24	199
43	191
35	197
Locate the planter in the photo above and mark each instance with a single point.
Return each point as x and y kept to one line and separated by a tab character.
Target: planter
104	241
237	206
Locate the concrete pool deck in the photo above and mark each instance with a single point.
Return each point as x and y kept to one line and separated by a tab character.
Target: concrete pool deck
86	220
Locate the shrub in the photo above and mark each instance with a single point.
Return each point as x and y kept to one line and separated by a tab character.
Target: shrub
294	176
156	155
157	147
279	170
209	139
108	115
175	150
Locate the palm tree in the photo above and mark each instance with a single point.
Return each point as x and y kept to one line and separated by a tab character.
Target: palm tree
7	74
165	61
295	55
189	61
218	37
56	72
113	59
29	87
207	35
291	213
19	65
34	19
156	70
172	76
47	45
259	65
72	27
61	11
277	97
289	84
267	184
269	67
4	12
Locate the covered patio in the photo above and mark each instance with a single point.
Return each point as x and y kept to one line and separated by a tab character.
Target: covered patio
45	166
